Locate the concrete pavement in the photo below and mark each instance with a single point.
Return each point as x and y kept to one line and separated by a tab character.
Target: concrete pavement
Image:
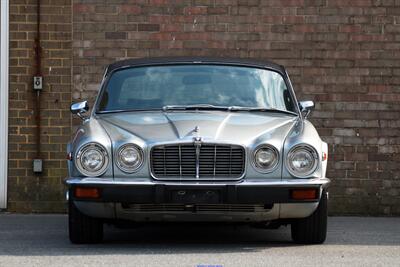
41	240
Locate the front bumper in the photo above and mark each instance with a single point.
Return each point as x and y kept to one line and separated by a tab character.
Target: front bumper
277	191
114	194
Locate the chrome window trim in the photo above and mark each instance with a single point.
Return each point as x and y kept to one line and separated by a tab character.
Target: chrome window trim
108	74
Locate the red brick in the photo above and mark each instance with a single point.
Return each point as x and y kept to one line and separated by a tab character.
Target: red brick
131	9
195	10
83	8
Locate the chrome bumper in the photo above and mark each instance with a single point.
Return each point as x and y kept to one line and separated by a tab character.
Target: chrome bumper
117	192
324	182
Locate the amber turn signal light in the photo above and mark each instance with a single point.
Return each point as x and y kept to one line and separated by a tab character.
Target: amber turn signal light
87	192
304	194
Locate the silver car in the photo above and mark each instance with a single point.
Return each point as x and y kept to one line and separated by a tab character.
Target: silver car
197	140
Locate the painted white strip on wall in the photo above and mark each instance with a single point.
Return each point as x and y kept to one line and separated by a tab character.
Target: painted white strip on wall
3	102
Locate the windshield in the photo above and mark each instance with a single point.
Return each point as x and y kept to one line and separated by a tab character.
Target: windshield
154	87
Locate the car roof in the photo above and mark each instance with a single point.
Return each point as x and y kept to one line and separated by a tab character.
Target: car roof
197	60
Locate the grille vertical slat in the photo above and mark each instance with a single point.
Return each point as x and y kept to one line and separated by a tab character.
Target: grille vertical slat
180	162
165	170
230	163
216	161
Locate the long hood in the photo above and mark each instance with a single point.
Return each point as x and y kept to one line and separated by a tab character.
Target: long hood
235	127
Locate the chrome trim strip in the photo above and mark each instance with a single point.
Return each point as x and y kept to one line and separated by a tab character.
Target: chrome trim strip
180	161
197	145
282	72
215	160
324	182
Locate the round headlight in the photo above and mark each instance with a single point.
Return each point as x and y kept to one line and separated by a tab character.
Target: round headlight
302	161
129	158
92	159
266	158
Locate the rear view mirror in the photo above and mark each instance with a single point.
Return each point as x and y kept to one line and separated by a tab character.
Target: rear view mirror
80	108
306	107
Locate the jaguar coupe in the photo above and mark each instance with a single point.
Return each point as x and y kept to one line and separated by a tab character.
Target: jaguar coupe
214	140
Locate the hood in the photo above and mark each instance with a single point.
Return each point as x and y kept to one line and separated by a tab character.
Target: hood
235	127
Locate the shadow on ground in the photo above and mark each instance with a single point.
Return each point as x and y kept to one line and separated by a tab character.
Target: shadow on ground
47	235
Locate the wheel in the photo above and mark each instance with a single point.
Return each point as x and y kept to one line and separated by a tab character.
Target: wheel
312	230
83	229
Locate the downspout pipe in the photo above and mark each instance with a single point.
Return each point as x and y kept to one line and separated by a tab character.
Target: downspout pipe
38	72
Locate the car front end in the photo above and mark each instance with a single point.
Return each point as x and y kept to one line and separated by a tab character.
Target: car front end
139	160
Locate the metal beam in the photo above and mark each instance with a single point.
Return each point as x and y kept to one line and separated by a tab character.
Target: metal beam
4	55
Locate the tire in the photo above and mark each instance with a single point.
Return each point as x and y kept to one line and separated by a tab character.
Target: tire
312	230
83	229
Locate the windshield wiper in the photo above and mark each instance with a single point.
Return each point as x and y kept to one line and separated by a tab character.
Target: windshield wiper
203	107
224	108
250	109
194	107
124	110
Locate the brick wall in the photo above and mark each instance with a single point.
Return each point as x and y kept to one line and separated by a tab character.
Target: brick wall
342	54
26	191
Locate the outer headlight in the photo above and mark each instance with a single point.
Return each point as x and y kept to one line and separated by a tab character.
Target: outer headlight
129	158
266	158
302	160
92	159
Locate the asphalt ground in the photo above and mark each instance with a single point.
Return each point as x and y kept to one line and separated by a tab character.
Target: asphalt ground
42	240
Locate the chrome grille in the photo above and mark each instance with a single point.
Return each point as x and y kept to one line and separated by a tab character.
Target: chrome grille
215	161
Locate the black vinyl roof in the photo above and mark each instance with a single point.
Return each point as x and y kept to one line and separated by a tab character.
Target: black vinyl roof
197	60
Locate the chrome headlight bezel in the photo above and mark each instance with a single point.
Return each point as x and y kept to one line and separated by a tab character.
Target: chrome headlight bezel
274	165
289	159
84	149
121	165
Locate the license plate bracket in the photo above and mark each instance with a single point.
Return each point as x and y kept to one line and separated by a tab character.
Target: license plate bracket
197	196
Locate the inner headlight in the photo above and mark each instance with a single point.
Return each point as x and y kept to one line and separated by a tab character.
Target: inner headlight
129	158
266	158
92	159
302	161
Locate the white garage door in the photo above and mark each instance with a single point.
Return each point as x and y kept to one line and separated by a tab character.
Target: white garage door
3	101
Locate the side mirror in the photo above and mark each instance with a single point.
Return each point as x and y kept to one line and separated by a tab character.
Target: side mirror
306	107
80	108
